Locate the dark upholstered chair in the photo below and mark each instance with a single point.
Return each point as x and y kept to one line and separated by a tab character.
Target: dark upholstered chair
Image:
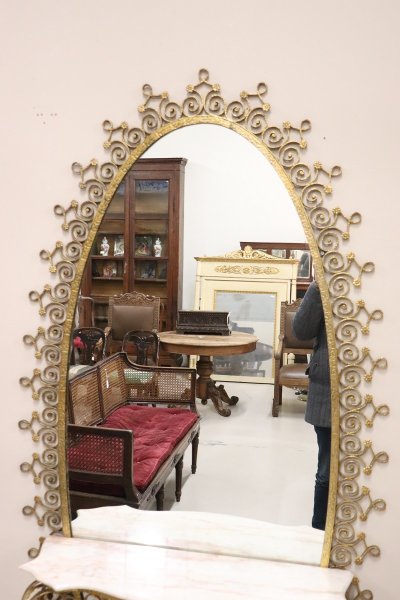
129	312
88	345
142	347
289	375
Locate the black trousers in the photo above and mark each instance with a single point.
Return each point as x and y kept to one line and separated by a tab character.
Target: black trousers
321	490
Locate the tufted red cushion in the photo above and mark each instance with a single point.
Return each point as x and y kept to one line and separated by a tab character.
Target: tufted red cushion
156	431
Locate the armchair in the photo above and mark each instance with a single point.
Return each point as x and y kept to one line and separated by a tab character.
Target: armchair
289	375
142	347
129	312
88	346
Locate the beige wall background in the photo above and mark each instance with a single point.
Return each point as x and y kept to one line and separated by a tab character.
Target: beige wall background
67	66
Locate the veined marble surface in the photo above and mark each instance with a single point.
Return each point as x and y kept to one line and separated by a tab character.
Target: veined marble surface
133	572
201	532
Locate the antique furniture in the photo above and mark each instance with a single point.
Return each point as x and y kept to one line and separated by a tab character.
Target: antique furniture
129	427
203	322
88	345
221	559
298	250
143	227
202	531
207	346
291	375
128	312
309	186
251	285
145	346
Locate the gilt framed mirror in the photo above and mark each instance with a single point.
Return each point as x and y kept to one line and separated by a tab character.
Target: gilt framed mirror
326	229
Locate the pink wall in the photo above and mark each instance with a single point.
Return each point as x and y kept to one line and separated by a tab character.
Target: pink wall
68	66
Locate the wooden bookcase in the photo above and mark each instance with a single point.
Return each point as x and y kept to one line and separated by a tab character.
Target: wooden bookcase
147	208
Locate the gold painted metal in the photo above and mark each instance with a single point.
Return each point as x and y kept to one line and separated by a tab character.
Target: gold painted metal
352	368
39	591
250	270
356	593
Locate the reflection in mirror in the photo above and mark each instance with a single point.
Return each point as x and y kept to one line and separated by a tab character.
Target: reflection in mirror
250	464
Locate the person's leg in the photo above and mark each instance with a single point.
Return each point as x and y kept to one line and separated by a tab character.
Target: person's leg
321	492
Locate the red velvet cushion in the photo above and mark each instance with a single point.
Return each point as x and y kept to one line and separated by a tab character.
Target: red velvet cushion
156	431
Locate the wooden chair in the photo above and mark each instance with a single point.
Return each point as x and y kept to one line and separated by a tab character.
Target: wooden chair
142	347
129	312
289	375
88	346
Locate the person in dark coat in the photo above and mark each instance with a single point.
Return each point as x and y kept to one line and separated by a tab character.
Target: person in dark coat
309	323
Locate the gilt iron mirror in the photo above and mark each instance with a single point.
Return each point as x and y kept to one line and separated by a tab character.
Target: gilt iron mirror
348	318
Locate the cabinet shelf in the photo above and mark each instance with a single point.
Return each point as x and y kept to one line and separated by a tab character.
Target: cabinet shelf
147	206
155	258
113	278
110	257
150	279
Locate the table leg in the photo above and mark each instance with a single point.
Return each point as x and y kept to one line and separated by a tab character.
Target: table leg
207	389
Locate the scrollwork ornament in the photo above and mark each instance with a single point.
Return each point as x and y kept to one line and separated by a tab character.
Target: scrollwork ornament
347	330
290	155
40	591
52	354
329	238
214	104
237	111
351	422
46	343
311	185
313	196
256	120
43	468
350	399
66	270
192	105
108	170
134	137
321	218
348	513
355	592
95	190
170	111
151	121
273	138
73	250
48	395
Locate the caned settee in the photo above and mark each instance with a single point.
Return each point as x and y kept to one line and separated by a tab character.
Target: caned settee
128	428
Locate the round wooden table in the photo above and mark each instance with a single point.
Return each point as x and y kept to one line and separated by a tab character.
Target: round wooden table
206	346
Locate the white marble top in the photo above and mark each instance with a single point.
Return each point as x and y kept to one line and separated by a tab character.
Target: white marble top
201	532
135	572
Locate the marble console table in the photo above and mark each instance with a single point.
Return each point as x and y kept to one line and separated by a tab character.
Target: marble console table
169	556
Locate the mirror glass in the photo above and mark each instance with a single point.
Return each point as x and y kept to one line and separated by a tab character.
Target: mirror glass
250	464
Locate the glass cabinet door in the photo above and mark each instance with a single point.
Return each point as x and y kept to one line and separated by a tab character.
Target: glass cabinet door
150	225
107	257
150	243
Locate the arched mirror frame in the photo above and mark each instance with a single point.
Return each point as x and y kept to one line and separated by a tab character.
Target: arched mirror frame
352	368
